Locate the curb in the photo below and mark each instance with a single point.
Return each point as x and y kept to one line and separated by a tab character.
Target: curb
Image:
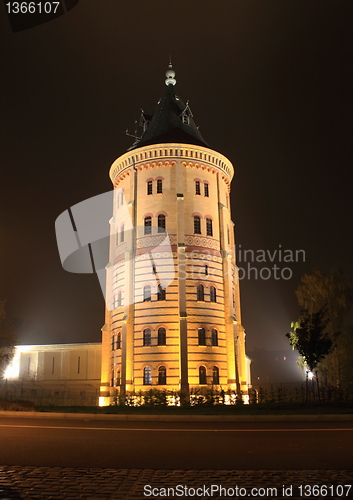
195	418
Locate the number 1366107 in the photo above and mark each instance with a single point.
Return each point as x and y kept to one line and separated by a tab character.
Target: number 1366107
32	7
309	490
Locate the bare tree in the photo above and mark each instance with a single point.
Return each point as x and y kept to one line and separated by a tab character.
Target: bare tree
332	292
7	339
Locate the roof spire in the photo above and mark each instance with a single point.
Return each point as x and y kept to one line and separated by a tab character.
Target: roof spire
170	74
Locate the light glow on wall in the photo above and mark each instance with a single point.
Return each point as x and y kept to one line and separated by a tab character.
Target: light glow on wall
13	369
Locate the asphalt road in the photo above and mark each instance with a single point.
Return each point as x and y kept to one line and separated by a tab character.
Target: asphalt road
176	445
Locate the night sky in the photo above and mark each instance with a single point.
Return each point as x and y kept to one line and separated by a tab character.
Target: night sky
269	84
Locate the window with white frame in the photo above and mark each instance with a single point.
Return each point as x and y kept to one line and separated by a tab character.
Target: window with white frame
147	375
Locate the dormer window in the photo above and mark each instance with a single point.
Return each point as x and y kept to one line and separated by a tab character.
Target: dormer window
185	118
186	115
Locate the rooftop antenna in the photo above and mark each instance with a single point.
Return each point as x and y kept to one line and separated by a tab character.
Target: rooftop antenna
137	137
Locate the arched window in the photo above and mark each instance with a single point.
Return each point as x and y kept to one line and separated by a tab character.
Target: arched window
200	292
122	235
202	336
147	293
147	336
161	295
206	190
213	296
228	235
161	223
149	187
209	230
162	375
214	337
202	375
148	225
197	187
215	375
162	337
197	224
118	378
159	186
147	376
113	342
118	341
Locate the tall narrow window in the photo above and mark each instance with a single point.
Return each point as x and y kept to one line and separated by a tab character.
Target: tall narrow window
118	378
113	342
214	337
206	191
122	197
147	293
148	225
161	292
162	375
118	341
197	224
215	375
197	187
159	186
119	299
161	223
206	270
228	236
213	296
161	336
201	336
146	337
200	292
53	365
202	375
147	376
122	235
78	364
209	230
149	187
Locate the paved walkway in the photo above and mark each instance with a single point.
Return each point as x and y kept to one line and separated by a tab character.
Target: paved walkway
57	483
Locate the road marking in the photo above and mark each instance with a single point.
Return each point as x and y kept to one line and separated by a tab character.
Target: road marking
167	430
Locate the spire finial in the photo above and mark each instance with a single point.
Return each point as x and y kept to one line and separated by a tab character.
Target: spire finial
170	73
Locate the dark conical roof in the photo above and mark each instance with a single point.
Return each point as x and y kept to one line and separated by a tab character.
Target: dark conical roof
171	122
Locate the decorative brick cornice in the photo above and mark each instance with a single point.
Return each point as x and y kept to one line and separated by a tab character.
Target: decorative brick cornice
166	155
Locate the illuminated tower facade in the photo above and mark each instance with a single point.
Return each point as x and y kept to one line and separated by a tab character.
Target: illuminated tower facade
173	317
